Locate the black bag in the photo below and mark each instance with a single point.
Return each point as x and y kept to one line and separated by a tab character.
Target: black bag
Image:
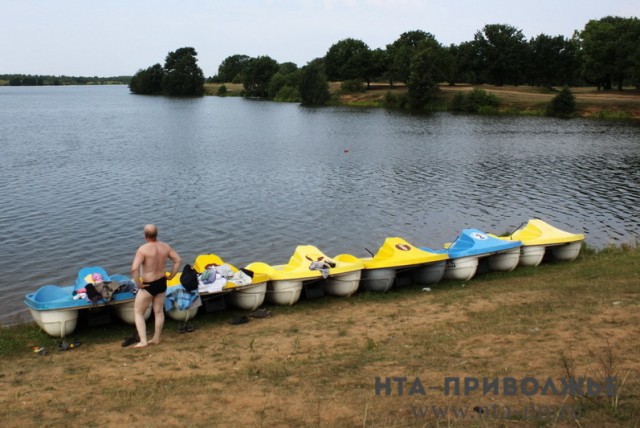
189	278
93	295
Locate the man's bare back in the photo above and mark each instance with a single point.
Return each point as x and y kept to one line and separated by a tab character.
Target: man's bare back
150	261
152	258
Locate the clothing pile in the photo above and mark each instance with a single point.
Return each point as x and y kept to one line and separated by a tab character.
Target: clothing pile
215	278
96	289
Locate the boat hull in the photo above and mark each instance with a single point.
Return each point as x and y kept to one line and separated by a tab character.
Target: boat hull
250	297
56	323
183	315
461	269
125	312
505	261
428	274
566	252
343	285
531	255
284	292
378	280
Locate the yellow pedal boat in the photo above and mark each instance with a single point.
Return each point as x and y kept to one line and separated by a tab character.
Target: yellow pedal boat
395	256
537	236
248	297
306	265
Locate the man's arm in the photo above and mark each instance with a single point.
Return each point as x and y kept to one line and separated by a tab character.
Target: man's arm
175	258
135	268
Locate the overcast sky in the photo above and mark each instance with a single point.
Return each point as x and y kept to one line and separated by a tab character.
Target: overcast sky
119	37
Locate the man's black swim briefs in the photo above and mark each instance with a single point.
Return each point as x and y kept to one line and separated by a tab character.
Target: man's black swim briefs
156	287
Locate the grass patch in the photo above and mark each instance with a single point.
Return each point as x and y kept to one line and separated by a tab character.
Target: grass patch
315	363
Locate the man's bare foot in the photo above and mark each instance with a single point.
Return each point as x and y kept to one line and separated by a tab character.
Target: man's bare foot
140	345
154	342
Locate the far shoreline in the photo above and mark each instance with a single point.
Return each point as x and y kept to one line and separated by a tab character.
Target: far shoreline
514	100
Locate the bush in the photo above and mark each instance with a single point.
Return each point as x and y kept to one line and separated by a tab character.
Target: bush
351	86
476	101
222	90
562	105
399	101
287	94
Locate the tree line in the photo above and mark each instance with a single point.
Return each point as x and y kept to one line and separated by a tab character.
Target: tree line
606	54
46	80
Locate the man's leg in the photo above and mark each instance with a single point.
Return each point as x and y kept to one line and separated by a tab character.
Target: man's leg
158	313
143	298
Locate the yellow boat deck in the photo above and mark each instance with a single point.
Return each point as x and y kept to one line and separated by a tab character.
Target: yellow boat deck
298	267
538	232
204	260
396	252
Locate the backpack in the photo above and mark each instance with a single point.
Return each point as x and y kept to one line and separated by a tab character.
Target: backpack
189	278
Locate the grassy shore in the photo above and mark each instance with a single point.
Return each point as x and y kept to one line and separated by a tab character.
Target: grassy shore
515	100
316	363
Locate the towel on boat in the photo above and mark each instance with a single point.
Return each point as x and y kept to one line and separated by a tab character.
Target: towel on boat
179	298
240	279
213	287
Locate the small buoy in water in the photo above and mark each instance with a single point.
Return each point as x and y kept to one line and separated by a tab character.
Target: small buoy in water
346	150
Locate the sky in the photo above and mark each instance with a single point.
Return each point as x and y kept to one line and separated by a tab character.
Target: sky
119	37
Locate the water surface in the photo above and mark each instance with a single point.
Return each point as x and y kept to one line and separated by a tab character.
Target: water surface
84	168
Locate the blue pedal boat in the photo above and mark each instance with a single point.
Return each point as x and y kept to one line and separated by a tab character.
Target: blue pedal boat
56	308
472	245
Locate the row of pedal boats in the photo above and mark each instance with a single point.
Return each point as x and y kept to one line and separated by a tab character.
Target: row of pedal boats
310	272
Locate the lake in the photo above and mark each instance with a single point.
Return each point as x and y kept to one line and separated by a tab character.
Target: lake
85	168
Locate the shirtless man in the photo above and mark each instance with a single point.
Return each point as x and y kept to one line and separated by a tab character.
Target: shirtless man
148	272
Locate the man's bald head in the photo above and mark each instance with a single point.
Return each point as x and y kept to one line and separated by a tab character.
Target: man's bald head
151	231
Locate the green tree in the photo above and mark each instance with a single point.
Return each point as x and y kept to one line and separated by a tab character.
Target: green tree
231	68
469	64
503	50
148	82
182	76
313	88
552	61
379	64
348	59
257	75
611	51
422	83
288	76
401	52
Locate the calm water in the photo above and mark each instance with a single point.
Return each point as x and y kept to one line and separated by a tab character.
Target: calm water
84	168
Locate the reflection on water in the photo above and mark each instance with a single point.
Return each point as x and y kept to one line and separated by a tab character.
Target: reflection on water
83	169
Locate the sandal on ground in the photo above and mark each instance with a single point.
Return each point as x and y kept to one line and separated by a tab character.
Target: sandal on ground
40	350
65	346
239	320
187	328
260	313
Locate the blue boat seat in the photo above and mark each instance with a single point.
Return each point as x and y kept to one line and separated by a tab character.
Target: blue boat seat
50	293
